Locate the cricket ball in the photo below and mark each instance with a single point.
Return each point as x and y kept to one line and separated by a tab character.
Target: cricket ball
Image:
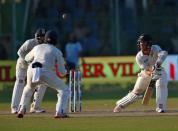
64	16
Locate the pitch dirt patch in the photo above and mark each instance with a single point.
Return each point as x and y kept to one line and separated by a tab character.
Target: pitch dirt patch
102	113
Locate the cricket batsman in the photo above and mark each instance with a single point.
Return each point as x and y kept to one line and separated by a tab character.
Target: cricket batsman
21	73
43	59
149	58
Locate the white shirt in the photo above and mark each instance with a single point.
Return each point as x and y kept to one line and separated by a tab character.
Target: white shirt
48	55
26	47
148	61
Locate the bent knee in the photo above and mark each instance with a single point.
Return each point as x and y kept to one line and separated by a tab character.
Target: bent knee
20	80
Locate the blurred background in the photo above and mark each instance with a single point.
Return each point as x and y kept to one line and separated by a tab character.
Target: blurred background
104	27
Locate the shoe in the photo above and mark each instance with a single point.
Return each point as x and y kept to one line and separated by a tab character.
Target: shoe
118	108
61	115
14	111
38	110
20	115
160	110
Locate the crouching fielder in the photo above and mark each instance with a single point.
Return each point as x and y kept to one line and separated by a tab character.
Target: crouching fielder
149	58
21	73
44	57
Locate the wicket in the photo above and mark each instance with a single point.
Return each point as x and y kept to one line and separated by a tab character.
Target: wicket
75	101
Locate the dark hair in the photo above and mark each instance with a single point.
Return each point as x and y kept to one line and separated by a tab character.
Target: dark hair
51	37
40	32
145	38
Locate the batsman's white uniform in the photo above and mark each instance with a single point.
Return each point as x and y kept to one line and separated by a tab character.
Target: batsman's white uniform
21	73
146	62
48	56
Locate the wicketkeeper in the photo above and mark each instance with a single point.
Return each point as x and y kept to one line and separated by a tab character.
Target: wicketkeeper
21	73
42	70
149	58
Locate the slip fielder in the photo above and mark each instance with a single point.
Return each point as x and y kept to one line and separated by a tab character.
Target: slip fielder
21	73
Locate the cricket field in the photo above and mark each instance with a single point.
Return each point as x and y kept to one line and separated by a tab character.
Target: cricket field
96	114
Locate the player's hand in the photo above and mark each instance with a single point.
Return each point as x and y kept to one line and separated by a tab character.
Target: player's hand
156	74
148	72
145	73
157	66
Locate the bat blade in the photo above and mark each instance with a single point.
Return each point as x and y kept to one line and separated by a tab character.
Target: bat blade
147	96
148	93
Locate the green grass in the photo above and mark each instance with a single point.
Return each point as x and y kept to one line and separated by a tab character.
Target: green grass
9	122
158	123
94	98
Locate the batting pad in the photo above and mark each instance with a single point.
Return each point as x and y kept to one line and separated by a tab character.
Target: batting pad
127	100
142	82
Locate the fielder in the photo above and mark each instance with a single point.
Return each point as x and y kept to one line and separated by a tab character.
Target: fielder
149	58
21	73
42	70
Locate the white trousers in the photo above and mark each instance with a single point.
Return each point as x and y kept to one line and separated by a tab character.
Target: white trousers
49	78
162	91
161	88
21	73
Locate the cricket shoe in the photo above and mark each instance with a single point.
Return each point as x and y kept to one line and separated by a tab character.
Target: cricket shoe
37	110
159	110
21	113
118	108
61	115
14	110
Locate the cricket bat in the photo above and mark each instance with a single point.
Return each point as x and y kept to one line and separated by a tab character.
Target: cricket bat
148	93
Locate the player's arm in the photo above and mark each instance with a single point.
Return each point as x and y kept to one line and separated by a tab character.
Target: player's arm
23	49
30	56
161	56
60	65
157	69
